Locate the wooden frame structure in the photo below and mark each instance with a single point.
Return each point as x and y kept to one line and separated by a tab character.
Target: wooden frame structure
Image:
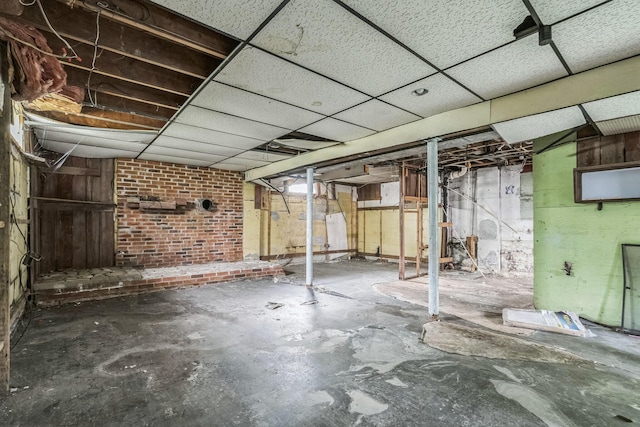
413	199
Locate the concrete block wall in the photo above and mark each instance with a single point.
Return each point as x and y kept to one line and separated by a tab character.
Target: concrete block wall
185	235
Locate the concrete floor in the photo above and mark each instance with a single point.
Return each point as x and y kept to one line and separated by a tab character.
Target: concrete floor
216	355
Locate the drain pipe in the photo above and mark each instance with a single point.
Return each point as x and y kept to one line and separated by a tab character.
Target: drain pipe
309	226
434	253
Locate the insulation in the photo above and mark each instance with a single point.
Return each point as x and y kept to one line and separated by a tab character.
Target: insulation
36	70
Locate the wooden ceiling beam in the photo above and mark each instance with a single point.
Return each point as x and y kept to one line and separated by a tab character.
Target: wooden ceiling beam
115	103
104	119
161	23
129	69
124	89
79	25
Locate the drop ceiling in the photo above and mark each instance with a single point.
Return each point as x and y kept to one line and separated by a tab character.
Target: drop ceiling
336	71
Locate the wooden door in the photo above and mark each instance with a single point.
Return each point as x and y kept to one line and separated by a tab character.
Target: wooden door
73	215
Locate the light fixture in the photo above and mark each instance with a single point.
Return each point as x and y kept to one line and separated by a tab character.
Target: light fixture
544	35
420	91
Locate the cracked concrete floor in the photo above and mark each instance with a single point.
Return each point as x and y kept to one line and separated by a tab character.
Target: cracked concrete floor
217	355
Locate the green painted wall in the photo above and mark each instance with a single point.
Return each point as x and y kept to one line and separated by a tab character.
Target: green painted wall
580	234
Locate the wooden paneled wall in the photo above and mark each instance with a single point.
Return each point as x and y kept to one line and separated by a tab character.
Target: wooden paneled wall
74	214
608	150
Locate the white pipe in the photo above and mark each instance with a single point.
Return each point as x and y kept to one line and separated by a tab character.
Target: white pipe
458	174
309	226
434	253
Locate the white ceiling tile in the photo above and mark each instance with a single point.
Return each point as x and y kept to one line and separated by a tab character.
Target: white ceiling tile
362	57
519	65
182	153
617	126
444	95
446	32
173	159
603	35
376	115
201	147
87	151
196	116
552	11
336	130
262	156
538	125
240	18
268	75
226	99
614	107
194	133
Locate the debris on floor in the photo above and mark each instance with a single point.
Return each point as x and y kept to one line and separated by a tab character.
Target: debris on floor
273	305
562	322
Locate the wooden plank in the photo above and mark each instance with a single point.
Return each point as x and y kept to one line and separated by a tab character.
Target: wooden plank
124	89
72	170
104	119
632	146
5	217
588	152
612	149
80	238
93	249
118	104
64	239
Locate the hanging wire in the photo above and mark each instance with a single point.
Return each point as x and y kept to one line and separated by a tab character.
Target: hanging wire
93	99
46	19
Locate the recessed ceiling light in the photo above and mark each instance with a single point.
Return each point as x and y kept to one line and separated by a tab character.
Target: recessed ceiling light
420	91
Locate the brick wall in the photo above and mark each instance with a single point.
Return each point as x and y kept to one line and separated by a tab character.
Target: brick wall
157	235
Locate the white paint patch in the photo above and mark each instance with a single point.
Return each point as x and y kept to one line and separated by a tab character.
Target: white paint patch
507	373
636	407
195	336
319	398
396	382
533	402
364	404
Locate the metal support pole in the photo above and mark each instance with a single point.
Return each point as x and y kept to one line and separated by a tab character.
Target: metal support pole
309	226
434	253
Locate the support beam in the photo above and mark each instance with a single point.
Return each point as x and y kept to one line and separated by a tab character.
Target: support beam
602	82
5	218
434	253
309	260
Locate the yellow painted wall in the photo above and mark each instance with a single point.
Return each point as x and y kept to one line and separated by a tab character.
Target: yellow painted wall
276	231
251	224
380	228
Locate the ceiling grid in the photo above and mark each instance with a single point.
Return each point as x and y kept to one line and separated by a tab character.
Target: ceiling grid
342	70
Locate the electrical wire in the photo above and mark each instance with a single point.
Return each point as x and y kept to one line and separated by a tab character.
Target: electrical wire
93	61
46	19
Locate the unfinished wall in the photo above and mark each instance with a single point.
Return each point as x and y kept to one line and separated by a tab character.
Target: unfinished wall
580	234
494	204
379	225
157	234
278	225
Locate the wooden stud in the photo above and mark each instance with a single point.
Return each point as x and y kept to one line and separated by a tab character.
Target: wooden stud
5	217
